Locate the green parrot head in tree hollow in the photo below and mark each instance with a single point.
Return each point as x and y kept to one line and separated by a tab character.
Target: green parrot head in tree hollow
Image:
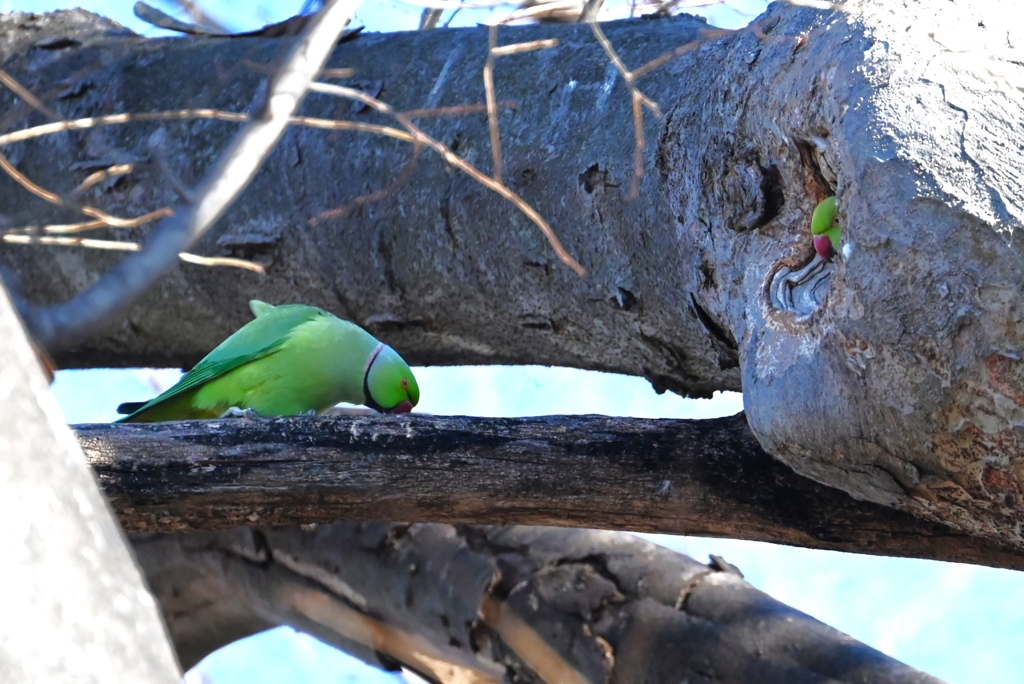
291	359
825	228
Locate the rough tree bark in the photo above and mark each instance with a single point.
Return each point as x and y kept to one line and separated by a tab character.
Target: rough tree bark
705	477
73	606
891	373
895	374
484	605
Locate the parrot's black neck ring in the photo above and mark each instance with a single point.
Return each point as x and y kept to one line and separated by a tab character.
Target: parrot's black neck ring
370	401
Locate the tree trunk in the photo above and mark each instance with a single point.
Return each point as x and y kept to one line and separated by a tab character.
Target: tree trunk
484	605
74	606
891	372
704	477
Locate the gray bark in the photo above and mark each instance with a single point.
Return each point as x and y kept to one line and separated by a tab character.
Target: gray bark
894	372
74	606
62	325
498	604
706	477
425	267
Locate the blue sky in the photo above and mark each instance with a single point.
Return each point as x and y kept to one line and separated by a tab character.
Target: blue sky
962	623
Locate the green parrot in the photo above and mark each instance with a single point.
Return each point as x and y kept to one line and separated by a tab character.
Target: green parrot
825	228
292	359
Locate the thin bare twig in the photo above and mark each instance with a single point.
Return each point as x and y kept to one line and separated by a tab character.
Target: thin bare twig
706	35
454	110
638	148
115	222
81	227
492	106
26	183
640	100
126	246
26	95
407	171
115	119
519	48
100	176
403	177
65	324
458	162
493	52
221	261
558	10
53	198
358	126
89	243
457	4
232	117
199	16
61	228
627	75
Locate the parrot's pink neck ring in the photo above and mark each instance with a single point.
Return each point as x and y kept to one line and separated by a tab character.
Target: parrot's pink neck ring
373	357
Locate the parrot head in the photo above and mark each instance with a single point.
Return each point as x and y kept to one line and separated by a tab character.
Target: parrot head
389	384
825	228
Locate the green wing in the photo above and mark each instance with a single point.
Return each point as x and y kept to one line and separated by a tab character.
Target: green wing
255	340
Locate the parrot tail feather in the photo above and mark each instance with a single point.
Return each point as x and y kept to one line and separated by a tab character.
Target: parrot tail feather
130	407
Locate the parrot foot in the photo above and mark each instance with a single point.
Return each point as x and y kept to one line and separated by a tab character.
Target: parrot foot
235	412
309	414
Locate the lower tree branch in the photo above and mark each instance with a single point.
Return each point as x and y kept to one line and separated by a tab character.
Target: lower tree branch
705	477
485	605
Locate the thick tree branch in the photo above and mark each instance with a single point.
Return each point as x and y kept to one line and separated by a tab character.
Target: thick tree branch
705	477
893	374
61	326
73	606
489	605
438	236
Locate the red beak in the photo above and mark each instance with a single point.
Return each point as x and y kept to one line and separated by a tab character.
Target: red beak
823	246
402	407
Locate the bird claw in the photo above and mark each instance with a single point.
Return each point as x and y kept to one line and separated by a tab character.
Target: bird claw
308	414
235	412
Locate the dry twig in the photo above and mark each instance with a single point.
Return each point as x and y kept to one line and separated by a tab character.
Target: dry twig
493	52
492	106
124	246
26	95
403	177
64	324
458	162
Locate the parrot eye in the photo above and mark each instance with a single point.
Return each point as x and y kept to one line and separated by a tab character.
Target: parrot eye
405	383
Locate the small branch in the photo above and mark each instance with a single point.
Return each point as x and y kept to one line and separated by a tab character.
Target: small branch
100	176
62	325
705	477
454	110
54	198
457	161
116	119
492	104
639	101
493	51
403	177
27	96
126	246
